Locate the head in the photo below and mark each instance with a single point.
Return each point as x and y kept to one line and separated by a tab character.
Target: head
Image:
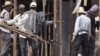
21	8
8	5
81	11
33	5
94	10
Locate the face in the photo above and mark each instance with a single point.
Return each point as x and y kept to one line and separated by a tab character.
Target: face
21	10
95	14
8	7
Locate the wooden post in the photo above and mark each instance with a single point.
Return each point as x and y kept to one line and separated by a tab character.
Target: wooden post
15	44
54	26
60	7
15	7
85	2
99	29
45	29
15	34
70	26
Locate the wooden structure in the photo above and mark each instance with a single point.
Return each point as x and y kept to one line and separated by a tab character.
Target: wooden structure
52	45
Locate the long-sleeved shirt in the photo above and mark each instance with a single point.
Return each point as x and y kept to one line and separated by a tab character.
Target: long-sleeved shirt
82	25
22	22
5	15
34	20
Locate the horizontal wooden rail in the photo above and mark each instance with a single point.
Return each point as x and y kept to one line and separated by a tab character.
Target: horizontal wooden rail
33	36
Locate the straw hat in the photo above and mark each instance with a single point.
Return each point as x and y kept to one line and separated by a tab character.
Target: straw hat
81	10
7	3
33	4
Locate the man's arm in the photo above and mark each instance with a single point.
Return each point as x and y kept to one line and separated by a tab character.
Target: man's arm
10	22
22	21
76	28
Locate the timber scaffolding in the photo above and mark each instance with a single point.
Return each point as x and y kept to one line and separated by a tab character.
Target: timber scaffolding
48	43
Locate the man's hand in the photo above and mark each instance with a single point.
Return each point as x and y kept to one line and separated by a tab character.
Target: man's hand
4	22
92	38
72	40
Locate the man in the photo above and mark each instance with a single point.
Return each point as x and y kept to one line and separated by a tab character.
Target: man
80	12
82	32
35	24
6	34
92	13
21	21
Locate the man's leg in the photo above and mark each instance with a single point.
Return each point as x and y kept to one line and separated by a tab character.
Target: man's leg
91	47
22	42
7	40
37	48
76	46
85	45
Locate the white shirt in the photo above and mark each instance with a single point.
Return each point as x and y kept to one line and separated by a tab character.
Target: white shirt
82	23
22	22
6	16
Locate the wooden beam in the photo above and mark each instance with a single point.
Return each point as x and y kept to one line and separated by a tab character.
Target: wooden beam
99	29
15	34
15	44
70	26
60	15
45	29
54	25
85	2
15	7
33	37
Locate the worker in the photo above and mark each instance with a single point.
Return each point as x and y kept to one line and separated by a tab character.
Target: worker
81	34
92	13
35	24
6	34
21	21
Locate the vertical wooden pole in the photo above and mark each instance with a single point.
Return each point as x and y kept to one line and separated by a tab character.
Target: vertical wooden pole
15	7
54	25
15	34
45	29
70	26
60	7
99	29
85	2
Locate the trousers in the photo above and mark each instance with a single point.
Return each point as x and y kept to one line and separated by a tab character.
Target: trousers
7	40
81	40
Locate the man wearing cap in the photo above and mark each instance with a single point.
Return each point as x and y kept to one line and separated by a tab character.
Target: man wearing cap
6	34
82	32
35	25
92	13
21	21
